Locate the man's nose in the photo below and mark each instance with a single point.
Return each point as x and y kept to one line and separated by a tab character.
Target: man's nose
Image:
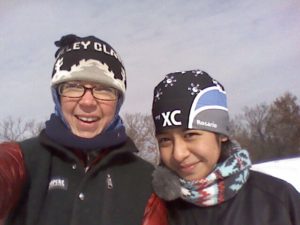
88	98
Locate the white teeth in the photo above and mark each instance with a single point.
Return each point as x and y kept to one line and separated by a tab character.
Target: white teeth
88	119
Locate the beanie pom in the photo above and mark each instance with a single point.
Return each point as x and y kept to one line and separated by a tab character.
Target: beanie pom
166	184
66	40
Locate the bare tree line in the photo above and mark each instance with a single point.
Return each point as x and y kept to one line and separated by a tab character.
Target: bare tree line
140	128
268	131
18	129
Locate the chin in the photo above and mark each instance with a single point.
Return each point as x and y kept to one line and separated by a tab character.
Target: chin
192	177
86	134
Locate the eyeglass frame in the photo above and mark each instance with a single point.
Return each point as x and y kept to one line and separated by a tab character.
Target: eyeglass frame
85	89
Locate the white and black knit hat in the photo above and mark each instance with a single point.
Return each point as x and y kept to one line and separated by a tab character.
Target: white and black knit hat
88	59
190	100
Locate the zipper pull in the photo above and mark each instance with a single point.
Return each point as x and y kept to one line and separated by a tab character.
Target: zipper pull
109	182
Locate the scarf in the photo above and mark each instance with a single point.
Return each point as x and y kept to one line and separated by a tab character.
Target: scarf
221	184
58	132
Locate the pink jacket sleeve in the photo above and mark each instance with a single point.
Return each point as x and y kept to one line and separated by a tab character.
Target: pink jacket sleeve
12	176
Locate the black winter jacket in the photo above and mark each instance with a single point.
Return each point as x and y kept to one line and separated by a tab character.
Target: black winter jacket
59	190
263	200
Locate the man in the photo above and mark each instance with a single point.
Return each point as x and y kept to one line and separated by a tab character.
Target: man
81	168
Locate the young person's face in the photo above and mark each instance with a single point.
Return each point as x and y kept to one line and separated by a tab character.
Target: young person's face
192	154
88	116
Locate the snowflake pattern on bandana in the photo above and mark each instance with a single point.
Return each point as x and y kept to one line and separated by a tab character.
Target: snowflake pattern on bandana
169	81
194	89
198	72
157	95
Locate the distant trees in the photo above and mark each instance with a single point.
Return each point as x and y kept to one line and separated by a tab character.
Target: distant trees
268	131
140	128
18	129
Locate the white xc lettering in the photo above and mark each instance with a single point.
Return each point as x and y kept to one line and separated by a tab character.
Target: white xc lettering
169	118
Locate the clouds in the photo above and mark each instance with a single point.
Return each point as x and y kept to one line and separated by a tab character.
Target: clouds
251	47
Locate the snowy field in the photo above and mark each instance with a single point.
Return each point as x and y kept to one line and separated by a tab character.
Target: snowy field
285	169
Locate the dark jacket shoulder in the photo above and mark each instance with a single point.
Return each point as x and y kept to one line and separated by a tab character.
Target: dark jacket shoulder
271	186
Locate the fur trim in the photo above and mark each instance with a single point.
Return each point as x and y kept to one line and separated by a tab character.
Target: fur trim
166	184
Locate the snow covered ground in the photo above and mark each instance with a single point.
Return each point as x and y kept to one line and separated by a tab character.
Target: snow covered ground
285	169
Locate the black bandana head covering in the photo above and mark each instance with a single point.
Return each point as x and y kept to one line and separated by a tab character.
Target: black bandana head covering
190	100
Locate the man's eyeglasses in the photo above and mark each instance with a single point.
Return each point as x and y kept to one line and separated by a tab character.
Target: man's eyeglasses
77	90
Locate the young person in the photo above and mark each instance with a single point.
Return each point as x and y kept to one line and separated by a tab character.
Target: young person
81	168
205	175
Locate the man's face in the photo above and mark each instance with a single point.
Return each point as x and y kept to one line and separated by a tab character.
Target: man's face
87	116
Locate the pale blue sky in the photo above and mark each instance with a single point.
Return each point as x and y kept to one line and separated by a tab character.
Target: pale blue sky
251	47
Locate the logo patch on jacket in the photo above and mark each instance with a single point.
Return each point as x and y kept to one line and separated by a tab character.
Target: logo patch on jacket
58	183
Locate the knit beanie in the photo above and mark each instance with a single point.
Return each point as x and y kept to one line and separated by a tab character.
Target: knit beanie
190	100
88	59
